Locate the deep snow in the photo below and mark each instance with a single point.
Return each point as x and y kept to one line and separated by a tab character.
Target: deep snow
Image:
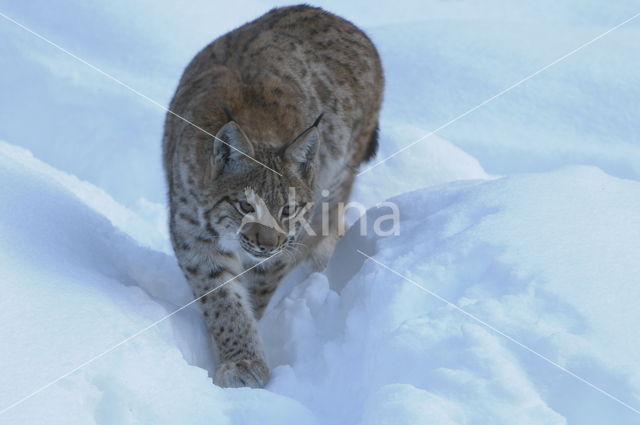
549	258
74	286
441	58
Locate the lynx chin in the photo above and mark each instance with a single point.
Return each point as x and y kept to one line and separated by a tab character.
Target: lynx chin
293	100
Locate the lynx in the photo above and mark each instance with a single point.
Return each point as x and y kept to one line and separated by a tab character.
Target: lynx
285	104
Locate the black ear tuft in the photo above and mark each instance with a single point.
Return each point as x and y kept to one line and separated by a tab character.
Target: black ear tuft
317	121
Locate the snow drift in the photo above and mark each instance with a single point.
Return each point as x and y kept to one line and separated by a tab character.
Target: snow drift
73	287
441	58
550	260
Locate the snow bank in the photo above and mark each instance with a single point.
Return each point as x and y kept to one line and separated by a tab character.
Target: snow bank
441	161
441	58
550	260
454	55
74	286
150	229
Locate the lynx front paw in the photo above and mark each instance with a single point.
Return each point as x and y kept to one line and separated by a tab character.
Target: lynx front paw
242	373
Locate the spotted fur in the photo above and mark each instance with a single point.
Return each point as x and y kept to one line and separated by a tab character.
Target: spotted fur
293	99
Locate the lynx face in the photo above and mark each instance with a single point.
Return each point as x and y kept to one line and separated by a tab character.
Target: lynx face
258	210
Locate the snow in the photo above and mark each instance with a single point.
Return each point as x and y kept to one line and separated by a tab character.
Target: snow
441	58
428	154
523	214
548	259
74	287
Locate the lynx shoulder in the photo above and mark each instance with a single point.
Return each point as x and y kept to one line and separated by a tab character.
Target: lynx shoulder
268	123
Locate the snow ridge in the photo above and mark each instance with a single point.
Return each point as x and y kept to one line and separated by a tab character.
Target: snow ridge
550	259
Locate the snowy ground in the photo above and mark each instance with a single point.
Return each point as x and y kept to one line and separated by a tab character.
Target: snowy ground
539	252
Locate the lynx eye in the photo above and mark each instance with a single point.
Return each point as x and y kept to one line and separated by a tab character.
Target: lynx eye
289	211
244	207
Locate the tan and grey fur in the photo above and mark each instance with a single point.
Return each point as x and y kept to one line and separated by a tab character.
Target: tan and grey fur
261	90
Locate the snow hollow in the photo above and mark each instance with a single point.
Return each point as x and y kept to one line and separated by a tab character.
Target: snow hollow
549	260
509	297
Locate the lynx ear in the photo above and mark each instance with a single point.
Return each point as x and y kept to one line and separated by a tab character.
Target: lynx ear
231	147
302	151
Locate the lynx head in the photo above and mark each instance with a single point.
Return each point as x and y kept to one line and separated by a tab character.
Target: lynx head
264	194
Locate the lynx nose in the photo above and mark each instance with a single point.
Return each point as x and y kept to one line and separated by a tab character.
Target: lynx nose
268	239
